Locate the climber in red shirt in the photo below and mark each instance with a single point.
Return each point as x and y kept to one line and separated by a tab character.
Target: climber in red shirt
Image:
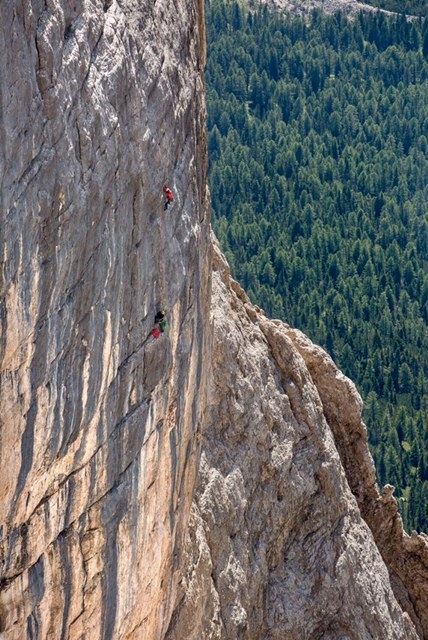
168	195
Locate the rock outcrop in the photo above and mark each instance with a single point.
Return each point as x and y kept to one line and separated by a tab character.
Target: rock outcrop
348	7
277	546
214	482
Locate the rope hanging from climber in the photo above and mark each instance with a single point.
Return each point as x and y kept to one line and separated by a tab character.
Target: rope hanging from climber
160	325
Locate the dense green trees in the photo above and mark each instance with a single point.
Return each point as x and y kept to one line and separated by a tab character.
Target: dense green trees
318	139
408	7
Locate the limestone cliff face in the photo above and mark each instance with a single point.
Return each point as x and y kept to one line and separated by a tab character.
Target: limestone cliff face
101	103
277	546
214	482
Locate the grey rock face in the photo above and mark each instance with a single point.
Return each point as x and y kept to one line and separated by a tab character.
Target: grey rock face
101	104
277	547
106	430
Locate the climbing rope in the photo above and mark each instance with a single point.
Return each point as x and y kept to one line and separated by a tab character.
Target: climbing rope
161	263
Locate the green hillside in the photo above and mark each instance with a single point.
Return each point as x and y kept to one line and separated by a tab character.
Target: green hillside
318	141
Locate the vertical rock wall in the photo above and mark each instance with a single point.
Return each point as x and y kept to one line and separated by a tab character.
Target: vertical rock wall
101	103
101	425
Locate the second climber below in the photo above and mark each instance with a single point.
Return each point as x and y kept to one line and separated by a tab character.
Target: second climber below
168	195
160	325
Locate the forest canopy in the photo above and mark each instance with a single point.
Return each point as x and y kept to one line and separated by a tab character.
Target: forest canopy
408	7
318	147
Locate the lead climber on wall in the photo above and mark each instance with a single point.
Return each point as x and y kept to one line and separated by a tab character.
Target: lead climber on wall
168	195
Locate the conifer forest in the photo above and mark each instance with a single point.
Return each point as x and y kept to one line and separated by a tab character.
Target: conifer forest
318	150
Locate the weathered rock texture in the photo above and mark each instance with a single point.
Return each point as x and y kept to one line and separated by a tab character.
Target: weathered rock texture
105	432
101	102
405	556
277	547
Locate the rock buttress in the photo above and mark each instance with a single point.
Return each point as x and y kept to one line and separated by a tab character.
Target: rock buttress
405	556
277	546
101	104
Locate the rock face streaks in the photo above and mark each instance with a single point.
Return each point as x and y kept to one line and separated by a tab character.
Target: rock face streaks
208	484
101	103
